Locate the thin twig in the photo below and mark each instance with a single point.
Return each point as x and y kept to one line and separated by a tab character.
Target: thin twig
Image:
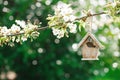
41	28
84	17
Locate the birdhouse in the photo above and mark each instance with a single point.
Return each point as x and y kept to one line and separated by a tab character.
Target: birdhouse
90	47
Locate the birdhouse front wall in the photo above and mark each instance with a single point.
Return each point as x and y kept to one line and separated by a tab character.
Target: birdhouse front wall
90	49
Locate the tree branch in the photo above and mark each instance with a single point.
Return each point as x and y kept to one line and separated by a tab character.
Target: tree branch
42	28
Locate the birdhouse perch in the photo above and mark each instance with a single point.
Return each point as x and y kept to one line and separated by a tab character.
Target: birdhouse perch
90	47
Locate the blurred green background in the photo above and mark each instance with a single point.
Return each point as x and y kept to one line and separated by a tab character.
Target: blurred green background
48	58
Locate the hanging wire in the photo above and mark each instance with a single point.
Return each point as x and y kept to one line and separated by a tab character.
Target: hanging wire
90	20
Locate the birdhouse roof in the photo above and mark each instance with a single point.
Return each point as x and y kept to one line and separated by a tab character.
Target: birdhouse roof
93	37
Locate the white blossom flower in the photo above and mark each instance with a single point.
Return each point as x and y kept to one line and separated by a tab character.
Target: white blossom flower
61	34
72	17
31	26
66	18
66	11
22	23
63	9
69	18
72	27
55	31
4	31
63	14
15	28
61	5
20	28
23	38
17	40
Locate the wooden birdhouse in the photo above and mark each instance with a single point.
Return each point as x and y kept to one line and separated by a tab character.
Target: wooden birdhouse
90	47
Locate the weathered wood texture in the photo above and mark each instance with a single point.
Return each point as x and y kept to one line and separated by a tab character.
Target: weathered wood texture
90	49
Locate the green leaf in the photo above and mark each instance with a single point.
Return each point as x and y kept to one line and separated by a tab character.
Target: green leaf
81	24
